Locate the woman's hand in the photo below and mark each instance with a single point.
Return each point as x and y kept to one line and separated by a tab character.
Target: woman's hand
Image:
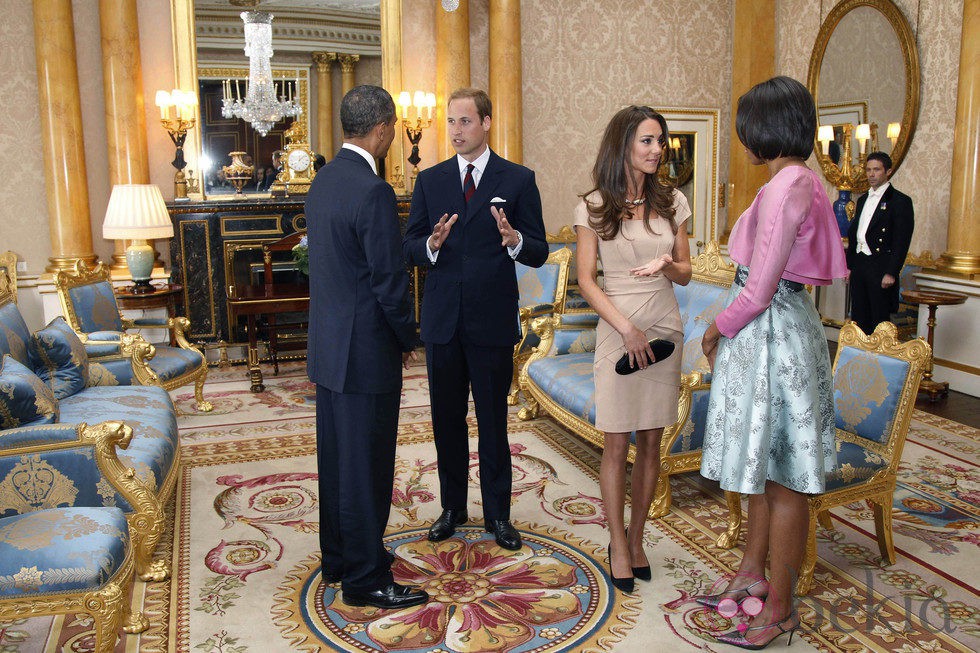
637	347
653	267
709	343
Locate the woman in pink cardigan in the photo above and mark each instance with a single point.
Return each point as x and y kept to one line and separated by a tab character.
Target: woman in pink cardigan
770	423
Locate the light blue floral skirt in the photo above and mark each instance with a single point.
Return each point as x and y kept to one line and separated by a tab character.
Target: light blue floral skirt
771	407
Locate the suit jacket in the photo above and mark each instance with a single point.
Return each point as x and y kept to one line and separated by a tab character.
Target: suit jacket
360	313
473	284
889	231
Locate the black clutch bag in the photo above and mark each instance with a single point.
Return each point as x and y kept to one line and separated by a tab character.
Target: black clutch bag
661	350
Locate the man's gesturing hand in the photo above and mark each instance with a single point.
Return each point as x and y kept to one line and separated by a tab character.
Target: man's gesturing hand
441	231
508	235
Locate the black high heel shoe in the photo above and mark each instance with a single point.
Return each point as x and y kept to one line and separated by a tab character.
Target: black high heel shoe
713	600
641	573
738	639
622	584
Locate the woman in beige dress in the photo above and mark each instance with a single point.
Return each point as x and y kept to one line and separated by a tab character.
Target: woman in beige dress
632	222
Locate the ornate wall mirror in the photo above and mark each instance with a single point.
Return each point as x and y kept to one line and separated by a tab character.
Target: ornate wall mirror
864	69
209	48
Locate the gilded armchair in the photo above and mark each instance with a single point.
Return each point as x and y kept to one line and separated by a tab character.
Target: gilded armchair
876	379
90	307
64	546
542	292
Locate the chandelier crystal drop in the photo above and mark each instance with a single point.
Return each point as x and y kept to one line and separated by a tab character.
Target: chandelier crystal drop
260	107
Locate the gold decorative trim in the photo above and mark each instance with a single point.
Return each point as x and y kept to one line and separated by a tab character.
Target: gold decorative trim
277	231
910	56
953	365
8	277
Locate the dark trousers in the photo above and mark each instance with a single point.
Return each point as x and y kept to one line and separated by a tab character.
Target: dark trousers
355	445
454	368
870	303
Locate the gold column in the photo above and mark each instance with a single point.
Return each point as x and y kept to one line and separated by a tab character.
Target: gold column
391	80
452	64
962	253
122	87
324	102
347	80
61	135
507	134
753	61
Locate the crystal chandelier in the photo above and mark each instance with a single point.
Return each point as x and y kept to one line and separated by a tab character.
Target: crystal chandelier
260	107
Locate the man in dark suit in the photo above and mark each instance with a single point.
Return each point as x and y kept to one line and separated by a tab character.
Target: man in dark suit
361	329
472	216
877	242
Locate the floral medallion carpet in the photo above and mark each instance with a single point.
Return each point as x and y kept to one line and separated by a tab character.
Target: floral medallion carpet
245	553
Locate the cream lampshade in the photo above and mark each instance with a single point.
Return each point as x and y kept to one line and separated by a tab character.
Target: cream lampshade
137	212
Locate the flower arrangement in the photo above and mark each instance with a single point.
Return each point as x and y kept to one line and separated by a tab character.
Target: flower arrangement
301	254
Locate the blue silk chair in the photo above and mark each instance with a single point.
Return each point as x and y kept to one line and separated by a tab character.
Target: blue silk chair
576	310
64	545
90	307
542	292
876	380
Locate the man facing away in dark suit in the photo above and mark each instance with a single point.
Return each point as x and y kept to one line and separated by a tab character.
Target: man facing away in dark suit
472	216
877	242
361	331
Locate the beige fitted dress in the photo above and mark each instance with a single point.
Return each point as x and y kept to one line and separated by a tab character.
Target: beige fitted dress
645	399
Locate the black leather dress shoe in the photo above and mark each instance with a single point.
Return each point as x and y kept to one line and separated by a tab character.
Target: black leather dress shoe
504	532
446	525
392	597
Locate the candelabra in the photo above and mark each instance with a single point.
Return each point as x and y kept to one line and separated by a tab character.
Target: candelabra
177	116
846	175
423	104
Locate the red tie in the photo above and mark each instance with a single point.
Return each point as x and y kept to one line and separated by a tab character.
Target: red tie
469	187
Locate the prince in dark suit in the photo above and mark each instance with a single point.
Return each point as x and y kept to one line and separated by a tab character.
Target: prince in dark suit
471	217
361	330
877	242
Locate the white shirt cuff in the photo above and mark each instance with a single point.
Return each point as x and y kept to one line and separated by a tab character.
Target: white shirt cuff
516	249
432	255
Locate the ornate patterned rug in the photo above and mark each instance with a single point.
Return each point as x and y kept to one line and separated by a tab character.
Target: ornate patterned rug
246	564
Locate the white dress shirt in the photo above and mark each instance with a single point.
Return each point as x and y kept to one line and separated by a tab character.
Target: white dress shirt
479	165
364	153
870	206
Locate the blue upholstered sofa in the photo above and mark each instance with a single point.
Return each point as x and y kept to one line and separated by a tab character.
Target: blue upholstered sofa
53	366
558	375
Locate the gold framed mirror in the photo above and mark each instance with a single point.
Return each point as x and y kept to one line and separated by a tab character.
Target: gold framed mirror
186	70
865	54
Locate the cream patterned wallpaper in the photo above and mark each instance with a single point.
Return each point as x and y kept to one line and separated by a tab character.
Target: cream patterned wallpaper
925	173
583	61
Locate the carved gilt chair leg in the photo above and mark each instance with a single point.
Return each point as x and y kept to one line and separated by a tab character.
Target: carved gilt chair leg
530	410
661	497
107	606
805	582
146	528
823	517
729	538
882	507
202	405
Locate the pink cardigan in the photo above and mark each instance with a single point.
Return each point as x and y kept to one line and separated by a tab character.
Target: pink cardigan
789	232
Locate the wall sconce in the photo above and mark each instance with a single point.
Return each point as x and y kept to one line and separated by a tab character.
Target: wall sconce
423	103
894	129
846	175
137	212
177	111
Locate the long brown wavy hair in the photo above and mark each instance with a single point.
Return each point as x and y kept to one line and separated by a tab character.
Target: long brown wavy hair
611	170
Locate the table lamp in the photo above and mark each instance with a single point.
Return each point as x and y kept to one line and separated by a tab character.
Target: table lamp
137	212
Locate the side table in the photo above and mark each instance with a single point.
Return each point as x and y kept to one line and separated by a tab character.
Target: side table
163	296
933	299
